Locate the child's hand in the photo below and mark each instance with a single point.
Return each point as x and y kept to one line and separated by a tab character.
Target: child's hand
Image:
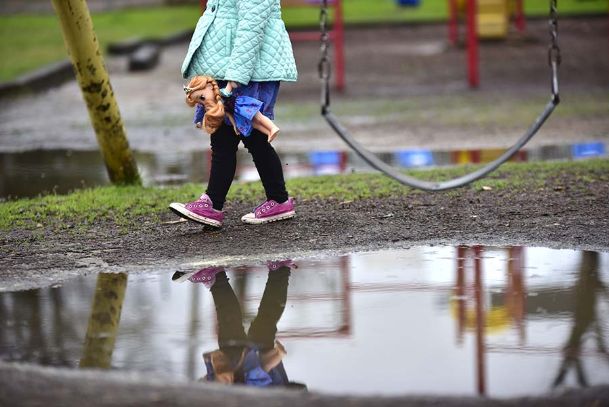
198	125
226	93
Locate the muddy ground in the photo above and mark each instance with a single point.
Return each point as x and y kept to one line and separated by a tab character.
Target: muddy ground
563	214
383	64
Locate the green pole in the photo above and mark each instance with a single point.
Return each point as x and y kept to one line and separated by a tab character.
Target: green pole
95	85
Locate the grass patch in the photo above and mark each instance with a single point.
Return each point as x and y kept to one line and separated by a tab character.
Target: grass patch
28	42
126	206
31	41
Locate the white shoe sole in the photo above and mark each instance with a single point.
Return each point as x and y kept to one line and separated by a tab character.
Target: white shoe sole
251	219
180	210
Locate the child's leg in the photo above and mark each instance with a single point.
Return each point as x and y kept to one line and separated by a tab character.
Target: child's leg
228	311
231	335
224	144
264	327
268	165
264	124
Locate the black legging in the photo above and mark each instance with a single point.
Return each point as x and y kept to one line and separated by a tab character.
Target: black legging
224	144
262	331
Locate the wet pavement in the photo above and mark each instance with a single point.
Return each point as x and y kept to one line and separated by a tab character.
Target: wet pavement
466	320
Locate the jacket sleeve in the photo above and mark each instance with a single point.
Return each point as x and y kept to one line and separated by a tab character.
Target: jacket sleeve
253	16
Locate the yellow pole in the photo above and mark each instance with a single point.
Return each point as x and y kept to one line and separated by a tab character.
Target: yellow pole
104	320
95	85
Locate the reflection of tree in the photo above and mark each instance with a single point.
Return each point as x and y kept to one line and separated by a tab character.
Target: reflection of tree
104	320
587	289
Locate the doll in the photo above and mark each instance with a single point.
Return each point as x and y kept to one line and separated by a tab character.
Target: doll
243	112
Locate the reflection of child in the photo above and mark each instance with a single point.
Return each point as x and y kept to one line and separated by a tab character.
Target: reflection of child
243	112
254	358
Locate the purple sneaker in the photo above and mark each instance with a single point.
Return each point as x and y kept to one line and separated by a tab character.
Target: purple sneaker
200	211
270	211
277	264
207	276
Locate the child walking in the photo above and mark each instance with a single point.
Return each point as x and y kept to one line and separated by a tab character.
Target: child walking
244	46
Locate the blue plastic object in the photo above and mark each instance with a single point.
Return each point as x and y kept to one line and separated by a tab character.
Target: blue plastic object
587	150
325	162
414	158
317	158
408	3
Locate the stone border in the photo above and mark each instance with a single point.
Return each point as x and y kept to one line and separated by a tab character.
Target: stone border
57	73
31	385
47	77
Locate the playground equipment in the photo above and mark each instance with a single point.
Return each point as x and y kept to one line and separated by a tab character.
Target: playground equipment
485	19
376	163
492	17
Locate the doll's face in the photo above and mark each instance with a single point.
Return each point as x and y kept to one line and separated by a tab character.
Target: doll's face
205	96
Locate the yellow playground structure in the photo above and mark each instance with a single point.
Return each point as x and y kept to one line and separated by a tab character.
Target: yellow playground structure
493	16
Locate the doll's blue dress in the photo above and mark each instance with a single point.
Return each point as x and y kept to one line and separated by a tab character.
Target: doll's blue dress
245	102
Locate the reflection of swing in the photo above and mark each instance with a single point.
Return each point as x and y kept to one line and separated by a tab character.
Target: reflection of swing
375	162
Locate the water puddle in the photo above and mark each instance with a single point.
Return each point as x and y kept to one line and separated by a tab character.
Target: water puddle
428	320
31	173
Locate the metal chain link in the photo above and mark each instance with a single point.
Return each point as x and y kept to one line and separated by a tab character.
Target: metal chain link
554	57
324	68
554	50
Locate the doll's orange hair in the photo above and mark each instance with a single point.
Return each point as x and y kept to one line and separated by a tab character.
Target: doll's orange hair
214	109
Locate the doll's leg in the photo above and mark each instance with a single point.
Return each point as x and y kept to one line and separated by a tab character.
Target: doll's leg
224	144
231	119
265	125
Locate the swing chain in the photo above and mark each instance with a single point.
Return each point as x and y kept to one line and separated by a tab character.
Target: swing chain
554	51
324	67
554	56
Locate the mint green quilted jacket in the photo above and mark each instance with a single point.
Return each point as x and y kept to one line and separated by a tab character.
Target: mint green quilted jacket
242	41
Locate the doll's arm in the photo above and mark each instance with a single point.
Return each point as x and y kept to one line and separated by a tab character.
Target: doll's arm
231	119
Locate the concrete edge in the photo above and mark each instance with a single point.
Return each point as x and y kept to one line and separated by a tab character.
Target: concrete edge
44	78
31	385
57	73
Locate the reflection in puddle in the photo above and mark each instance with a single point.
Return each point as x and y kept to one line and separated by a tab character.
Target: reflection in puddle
60	171
442	320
